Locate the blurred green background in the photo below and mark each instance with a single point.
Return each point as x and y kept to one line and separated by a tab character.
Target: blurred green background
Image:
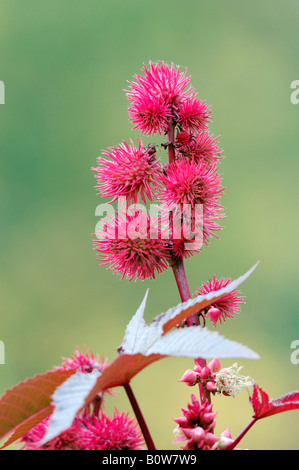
65	64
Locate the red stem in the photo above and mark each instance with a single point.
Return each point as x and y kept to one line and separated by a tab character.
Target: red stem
183	287
179	268
139	416
241	435
181	280
171	130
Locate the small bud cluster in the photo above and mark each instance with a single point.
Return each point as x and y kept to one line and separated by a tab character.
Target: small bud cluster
227	381
197	427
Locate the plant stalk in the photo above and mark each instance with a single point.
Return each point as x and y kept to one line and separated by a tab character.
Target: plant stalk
183	287
184	290
140	418
241	435
171	132
181	280
179	268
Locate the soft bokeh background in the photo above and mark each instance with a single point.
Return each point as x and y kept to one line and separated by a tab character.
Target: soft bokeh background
65	64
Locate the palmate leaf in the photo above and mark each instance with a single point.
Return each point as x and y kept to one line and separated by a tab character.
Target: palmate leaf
27	403
142	345
157	338
263	406
72	394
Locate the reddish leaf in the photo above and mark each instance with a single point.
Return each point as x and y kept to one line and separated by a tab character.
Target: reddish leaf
28	402
121	371
142	345
157	338
80	389
264	407
29	423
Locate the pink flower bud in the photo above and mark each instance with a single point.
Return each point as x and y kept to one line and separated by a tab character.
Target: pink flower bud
210	385
226	433
223	443
214	314
189	377
208	417
214	365
205	373
197	368
182	421
196	434
211	439
200	363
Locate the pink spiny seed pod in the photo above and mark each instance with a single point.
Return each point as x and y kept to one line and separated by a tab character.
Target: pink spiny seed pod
193	114
104	433
186	234
129	171
184	247
84	363
200	146
133	254
196	188
150	114
188	182
183	141
227	306
67	440
161	80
